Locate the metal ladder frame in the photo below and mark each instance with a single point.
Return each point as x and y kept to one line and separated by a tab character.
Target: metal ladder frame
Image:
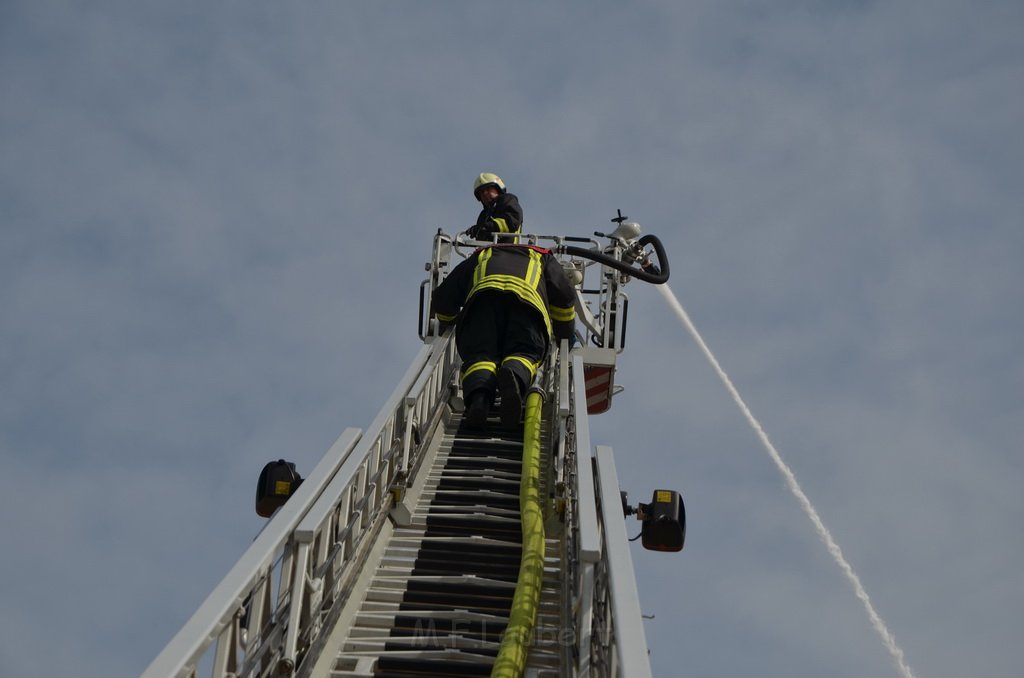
314	545
249	627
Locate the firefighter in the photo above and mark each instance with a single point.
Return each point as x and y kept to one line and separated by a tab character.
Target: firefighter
501	212
506	301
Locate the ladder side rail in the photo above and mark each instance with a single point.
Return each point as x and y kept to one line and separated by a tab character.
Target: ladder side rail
351	509
425	412
584	616
428	406
562	410
441	252
422	399
625	622
583	539
589	537
601	645
246	581
562	507
393	407
609	280
614	304
621	316
225	657
563	380
367	470
584	313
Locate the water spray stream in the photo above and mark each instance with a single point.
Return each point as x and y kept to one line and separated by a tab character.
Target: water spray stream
826	537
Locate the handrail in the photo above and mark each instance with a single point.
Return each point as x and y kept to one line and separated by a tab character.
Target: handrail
354	504
252	571
625	619
590	539
563	379
311	543
616	263
274	608
327	501
601	588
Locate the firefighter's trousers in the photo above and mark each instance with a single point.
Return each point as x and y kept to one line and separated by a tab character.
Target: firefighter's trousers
499	331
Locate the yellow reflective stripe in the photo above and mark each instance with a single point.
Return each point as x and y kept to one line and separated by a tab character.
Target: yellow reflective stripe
445	318
488	365
526	287
481	266
530	365
508	283
562	314
502	225
533	269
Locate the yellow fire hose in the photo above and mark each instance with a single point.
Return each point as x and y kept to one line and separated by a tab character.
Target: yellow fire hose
515	643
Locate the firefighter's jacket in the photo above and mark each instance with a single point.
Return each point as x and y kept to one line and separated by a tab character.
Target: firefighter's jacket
532	274
503	216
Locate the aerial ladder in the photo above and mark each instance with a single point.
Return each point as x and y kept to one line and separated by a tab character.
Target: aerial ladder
422	547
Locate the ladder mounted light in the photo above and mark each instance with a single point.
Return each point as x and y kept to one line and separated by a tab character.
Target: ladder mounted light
663	520
278	481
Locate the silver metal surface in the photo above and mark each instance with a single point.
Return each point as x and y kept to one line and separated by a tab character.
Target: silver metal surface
627	622
589	537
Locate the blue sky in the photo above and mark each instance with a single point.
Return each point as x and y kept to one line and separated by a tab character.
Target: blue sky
213	221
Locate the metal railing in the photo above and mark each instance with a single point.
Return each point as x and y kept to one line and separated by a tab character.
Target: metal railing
602	306
601	593
311	548
274	607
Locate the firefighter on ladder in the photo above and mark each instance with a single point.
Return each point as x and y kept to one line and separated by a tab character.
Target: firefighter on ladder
501	212
506	302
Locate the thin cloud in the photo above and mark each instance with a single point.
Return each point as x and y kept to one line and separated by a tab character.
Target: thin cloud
214	222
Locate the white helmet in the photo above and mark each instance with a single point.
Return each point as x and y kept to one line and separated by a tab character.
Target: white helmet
487	179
